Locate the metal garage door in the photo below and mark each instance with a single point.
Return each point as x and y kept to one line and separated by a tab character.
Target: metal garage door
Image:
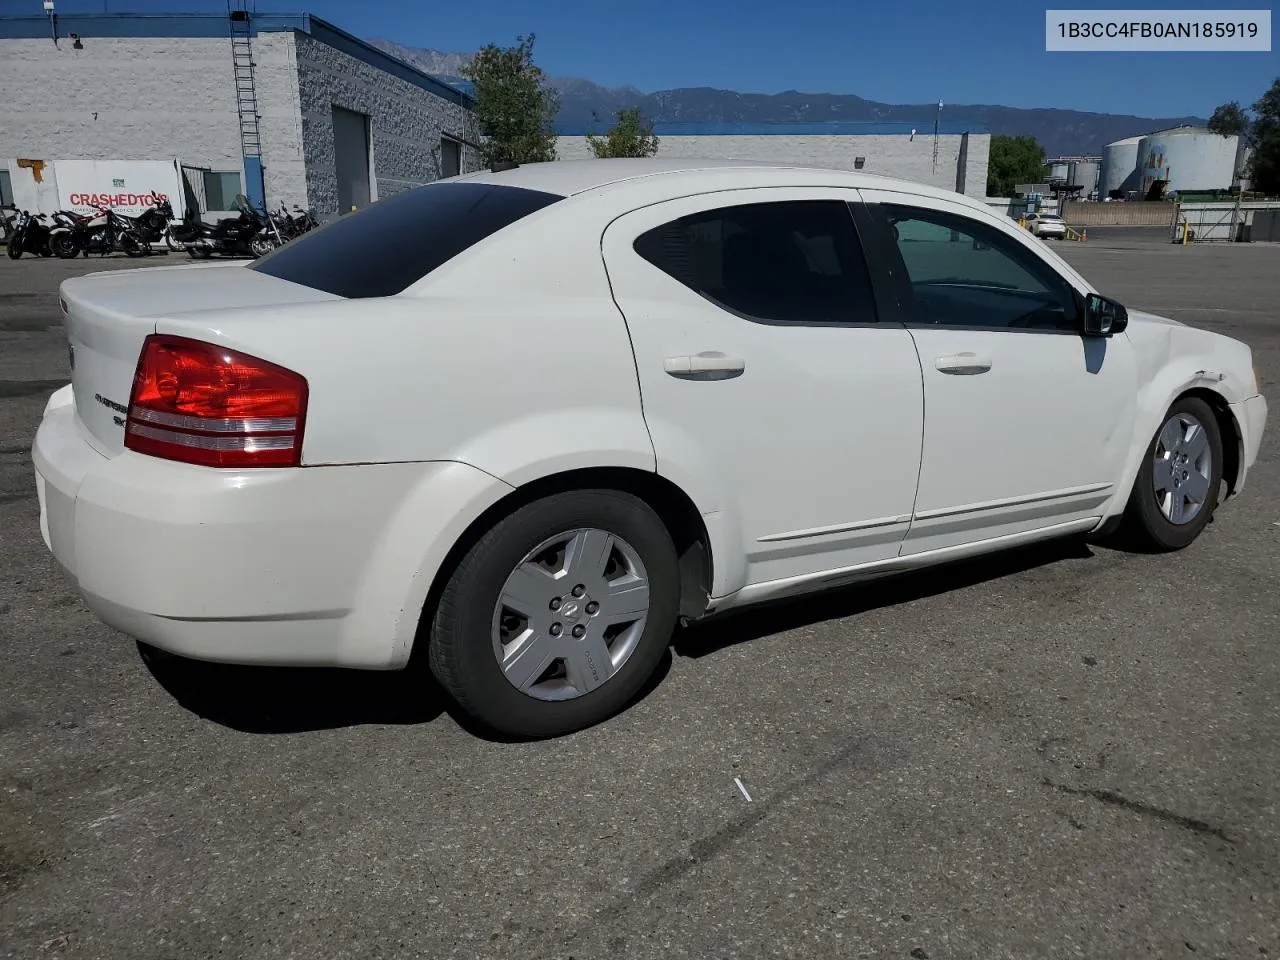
450	157
351	157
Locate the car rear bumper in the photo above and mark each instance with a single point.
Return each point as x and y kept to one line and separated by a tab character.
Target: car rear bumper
324	566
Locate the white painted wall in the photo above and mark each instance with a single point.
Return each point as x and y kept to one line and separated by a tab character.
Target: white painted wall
148	98
887	155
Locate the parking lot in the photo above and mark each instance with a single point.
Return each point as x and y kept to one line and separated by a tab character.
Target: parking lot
1067	752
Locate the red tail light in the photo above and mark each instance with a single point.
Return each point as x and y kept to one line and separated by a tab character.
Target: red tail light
200	403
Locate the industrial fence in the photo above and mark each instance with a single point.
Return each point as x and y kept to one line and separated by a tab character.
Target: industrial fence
1265	227
1137	213
1225	221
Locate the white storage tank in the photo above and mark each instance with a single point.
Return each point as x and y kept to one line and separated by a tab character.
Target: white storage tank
1189	158
1119	167
1084	173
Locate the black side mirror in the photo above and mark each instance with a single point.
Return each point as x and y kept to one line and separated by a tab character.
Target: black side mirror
1103	317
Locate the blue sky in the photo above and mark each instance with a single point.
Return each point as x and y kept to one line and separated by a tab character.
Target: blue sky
961	51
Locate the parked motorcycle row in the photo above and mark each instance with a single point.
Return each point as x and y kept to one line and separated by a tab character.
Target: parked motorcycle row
251	234
67	234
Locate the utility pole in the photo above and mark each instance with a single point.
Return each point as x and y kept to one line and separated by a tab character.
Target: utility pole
1239	185
937	121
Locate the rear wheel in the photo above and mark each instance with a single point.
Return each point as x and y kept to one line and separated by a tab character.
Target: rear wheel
1178	484
64	245
557	616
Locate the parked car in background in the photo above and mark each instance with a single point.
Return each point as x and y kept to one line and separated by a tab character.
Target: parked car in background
1047	225
576	402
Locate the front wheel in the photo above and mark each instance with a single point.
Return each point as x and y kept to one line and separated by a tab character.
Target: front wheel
14	247
132	246
1178	484
261	246
557	616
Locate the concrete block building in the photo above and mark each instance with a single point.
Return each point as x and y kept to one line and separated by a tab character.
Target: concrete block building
956	159
280	107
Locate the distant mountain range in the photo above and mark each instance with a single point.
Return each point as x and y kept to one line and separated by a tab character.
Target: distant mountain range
1061	132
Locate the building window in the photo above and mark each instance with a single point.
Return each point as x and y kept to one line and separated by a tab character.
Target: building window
6	189
220	189
450	157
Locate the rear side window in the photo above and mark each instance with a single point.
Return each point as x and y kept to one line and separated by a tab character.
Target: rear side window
391	244
787	262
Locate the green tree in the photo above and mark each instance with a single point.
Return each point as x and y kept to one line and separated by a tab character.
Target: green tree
631	136
1229	120
1260	133
1013	160
515	108
1264	165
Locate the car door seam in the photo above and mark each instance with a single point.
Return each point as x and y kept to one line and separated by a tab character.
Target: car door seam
626	325
877	241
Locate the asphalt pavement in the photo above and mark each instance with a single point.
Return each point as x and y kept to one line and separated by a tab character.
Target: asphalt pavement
1066	752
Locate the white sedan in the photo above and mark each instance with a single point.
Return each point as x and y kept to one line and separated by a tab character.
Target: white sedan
524	422
1047	225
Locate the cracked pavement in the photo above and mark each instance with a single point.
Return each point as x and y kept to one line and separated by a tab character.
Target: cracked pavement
1065	752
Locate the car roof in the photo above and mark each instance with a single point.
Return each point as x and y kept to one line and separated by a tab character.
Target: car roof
570	177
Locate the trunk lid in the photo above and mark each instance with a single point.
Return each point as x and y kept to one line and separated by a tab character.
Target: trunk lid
108	315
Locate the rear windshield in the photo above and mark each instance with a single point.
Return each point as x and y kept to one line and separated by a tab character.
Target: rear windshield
391	244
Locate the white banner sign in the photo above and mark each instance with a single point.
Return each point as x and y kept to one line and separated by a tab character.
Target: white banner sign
128	186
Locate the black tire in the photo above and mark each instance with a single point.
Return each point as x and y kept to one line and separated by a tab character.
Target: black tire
460	647
15	250
1145	526
260	247
65	247
132	246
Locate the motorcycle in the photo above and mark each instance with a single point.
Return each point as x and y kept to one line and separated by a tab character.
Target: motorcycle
152	225
252	234
30	235
100	232
293	225
75	233
6	221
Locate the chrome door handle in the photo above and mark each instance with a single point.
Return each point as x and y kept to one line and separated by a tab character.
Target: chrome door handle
963	364
710	365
